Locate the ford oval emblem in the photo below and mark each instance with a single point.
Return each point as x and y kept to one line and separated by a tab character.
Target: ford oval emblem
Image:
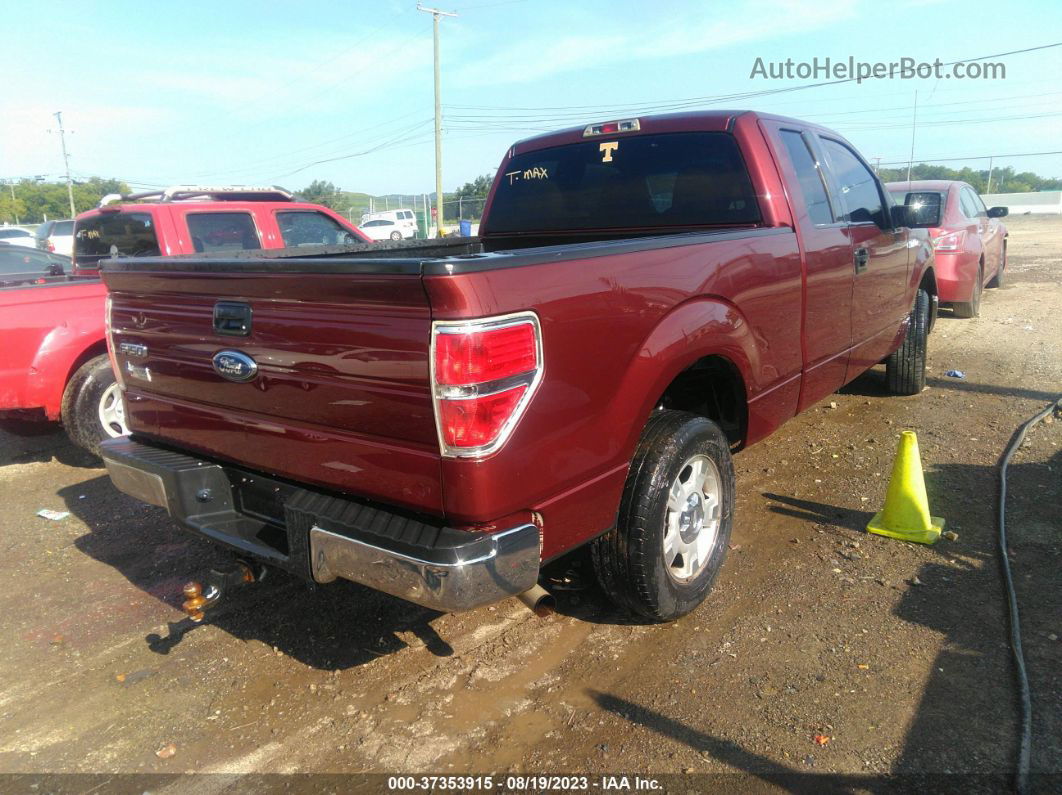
235	366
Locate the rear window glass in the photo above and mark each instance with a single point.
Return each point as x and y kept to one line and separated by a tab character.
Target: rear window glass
8	234
312	229
63	228
223	232
674	179
118	234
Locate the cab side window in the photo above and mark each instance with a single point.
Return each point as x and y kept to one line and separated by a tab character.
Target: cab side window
222	231
859	188
810	177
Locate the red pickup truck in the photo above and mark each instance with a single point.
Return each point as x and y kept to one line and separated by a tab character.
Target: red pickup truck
439	419
193	219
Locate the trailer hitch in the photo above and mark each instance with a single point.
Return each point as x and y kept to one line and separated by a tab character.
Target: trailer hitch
199	598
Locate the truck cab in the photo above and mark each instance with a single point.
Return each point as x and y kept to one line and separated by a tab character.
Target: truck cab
185	220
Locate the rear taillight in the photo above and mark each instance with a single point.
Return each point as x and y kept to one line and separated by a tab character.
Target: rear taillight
50	246
484	373
111	352
952	241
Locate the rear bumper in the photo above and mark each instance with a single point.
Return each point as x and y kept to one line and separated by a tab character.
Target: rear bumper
322	537
956	273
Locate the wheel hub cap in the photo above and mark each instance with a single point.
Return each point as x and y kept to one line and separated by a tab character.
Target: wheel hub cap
692	518
112	412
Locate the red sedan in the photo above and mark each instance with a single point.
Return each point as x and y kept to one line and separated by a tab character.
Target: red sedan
969	240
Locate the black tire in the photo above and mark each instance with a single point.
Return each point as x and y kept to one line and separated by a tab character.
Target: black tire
905	368
971	308
396	235
629	559
81	404
1001	274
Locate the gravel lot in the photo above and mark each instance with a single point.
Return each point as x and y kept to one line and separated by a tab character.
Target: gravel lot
822	650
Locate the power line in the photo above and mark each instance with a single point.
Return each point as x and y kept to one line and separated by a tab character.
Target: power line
970	157
568	112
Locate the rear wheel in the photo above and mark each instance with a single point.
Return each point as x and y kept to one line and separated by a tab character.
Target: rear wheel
675	517
905	368
971	308
92	405
396	235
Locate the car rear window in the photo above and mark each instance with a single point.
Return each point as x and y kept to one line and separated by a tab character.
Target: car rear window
8	234
645	181
63	228
114	234
223	232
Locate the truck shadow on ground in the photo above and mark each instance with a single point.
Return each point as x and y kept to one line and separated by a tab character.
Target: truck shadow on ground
32	441
337	626
872	384
963	736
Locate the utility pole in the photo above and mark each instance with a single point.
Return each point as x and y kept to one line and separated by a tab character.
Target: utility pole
14	210
914	123
66	161
988	189
435	14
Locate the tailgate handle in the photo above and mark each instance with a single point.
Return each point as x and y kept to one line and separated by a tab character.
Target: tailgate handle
232	319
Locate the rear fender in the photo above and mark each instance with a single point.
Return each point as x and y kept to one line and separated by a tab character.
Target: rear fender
695	329
63	351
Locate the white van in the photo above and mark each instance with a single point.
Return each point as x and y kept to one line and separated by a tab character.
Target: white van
402	224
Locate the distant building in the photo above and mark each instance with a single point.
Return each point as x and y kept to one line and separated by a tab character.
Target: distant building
1048	202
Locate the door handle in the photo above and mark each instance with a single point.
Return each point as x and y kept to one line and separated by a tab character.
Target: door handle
232	319
862	257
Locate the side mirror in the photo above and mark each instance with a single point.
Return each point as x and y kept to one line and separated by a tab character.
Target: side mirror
998	212
923	209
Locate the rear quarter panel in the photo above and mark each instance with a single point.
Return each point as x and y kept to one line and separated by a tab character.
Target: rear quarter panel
616	330
47	330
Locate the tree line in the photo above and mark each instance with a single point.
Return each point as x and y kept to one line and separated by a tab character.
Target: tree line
1004	180
471	195
32	202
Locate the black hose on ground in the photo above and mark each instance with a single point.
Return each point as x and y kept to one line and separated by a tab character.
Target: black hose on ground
1025	747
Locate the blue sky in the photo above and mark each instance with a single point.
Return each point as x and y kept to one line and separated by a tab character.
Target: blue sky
254	92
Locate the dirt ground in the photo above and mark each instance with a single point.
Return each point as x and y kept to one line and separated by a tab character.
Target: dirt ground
822	650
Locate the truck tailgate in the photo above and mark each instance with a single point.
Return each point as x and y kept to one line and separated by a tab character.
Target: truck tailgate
341	394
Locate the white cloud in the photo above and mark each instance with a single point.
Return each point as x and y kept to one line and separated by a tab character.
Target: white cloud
615	40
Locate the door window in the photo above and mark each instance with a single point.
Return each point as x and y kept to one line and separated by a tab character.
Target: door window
972	206
311	228
859	188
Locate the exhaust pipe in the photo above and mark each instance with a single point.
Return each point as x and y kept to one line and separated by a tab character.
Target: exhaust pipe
538	600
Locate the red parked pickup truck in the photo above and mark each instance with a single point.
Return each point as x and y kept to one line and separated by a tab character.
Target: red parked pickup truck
193	219
439	419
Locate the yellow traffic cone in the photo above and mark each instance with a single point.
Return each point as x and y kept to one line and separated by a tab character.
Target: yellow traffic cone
906	512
